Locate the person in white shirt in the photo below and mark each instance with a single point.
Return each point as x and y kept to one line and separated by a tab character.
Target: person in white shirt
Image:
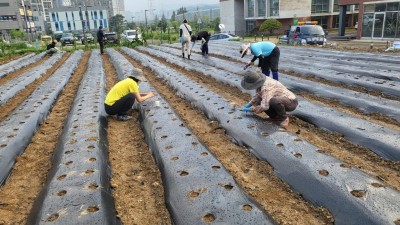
185	32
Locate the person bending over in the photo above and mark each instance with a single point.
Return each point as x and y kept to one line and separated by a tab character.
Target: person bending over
204	37
267	54
51	48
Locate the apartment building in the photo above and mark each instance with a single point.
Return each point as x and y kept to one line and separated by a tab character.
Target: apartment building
15	14
114	7
243	16
70	19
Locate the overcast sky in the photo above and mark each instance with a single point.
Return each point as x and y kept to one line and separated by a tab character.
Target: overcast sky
137	7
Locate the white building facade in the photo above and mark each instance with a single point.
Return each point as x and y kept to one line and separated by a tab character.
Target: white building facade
70	19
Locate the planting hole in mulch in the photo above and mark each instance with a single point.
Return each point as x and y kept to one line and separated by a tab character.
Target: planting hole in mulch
209	218
264	133
194	194
68	163
90	147
52	217
195	143
93	186
62	177
68	152
323	172
228	187
92	209
3	145
91	139
280	145
62	193
377	185
158	128
358	193
216	167
72	142
188	135
298	155
204	153
164	137
183	173
92	159
247	207
89	171
174	158
297	139
169	147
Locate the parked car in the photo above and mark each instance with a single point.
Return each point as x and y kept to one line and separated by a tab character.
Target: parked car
89	37
111	38
67	38
307	34
131	35
283	39
225	37
78	36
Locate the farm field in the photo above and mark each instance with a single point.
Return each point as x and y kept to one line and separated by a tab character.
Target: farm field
196	159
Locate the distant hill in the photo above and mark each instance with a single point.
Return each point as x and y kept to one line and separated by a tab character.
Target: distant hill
201	7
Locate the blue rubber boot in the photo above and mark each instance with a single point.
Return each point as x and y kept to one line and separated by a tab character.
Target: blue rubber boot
275	75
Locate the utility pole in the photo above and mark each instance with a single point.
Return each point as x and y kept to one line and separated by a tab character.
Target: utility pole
145	17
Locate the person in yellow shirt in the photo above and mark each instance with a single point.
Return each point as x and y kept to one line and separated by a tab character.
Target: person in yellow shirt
122	95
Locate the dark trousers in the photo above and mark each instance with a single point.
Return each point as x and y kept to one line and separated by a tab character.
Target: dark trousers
101	43
204	49
121	106
270	62
278	106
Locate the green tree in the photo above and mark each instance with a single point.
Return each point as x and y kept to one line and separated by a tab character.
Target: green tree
215	24
175	25
173	17
132	25
17	34
117	23
270	25
181	10
163	23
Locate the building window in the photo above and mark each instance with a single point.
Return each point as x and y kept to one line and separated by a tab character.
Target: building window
369	8
274	8
336	6
57	27
53	17
394	6
95	15
380	7
391	25
61	26
105	24
320	6
69	25
356	7
261	8
250	8
101	15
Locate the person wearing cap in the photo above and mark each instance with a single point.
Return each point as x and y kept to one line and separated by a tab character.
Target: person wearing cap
51	48
272	97
267	54
100	39
204	37
185	31
122	95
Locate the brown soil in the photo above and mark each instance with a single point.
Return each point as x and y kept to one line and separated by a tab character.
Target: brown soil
256	177
331	143
15	101
4	60
29	173
15	74
136	180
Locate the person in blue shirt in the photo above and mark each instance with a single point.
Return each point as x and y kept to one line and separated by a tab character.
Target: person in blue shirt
267	54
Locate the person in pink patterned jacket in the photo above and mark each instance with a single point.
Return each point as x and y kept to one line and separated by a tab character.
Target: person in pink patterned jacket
272	97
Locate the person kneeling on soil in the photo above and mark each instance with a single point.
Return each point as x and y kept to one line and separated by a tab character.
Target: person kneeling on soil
51	48
271	97
122	95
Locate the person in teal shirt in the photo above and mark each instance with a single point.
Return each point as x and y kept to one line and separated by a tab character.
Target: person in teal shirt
267	54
